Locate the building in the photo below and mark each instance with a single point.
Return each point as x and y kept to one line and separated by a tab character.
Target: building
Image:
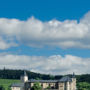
65	83
20	86
17	86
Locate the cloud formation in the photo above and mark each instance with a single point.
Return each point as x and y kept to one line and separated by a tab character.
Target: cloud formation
35	33
55	64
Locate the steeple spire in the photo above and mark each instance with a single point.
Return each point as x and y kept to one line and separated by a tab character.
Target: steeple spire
25	74
24	77
73	75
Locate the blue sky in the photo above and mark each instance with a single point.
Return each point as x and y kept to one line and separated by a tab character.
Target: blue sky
44	9
46	29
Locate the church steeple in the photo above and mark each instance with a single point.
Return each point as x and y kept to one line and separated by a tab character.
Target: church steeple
24	78
73	75
25	74
73	81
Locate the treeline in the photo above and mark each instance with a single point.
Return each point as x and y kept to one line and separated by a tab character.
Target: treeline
83	78
15	74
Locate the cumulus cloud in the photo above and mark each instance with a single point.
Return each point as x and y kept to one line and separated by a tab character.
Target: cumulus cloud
55	64
4	44
36	33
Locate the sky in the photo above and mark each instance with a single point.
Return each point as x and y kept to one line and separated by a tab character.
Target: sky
45	36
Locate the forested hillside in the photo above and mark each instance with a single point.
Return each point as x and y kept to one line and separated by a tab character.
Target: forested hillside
8	76
15	74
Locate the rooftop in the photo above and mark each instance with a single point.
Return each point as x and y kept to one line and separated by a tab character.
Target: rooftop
65	79
43	81
17	85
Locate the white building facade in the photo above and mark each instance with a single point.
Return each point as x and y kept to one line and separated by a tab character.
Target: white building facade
65	83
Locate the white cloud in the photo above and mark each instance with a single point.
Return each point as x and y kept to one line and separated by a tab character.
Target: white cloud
35	33
55	64
4	44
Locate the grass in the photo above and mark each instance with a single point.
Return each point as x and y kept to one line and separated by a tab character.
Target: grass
7	82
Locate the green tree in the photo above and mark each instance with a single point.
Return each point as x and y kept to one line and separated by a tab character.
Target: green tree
9	88
83	86
2	88
48	87
37	86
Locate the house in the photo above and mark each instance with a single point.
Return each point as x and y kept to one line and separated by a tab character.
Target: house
20	86
65	83
17	86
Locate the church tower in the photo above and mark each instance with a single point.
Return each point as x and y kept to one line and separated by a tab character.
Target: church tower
73	82
24	78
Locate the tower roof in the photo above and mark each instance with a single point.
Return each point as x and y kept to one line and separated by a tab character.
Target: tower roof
25	74
73	75
65	79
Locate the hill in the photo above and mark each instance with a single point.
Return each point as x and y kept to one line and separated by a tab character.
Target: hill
15	74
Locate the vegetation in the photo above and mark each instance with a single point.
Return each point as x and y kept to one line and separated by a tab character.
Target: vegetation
5	83
7	77
83	86
2	88
48	87
36	86
83	78
15	74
